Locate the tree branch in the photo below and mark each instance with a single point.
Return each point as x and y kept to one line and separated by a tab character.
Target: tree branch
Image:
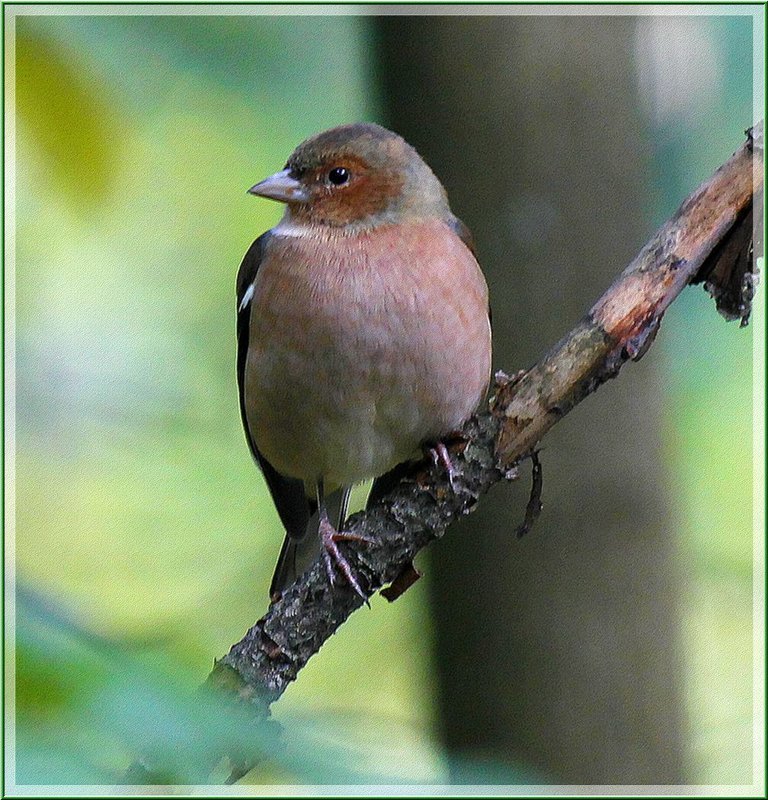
708	240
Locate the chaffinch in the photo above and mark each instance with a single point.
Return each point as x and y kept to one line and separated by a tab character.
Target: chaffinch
363	329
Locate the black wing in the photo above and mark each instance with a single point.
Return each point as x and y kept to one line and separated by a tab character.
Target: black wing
288	494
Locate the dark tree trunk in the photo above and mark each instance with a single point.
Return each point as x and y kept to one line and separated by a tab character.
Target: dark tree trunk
533	126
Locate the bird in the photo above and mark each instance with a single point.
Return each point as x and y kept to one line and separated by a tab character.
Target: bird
363	332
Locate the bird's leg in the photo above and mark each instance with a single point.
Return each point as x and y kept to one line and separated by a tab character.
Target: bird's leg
329	536
344	507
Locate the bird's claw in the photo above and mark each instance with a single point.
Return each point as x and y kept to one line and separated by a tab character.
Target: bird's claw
441	456
331	554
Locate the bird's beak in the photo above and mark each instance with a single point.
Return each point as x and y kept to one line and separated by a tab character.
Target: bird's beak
281	186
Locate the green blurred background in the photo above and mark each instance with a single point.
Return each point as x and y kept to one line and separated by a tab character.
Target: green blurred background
145	537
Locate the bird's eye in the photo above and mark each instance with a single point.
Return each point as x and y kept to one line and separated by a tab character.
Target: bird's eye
338	176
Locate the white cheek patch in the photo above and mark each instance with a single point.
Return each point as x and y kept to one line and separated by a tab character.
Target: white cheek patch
247	297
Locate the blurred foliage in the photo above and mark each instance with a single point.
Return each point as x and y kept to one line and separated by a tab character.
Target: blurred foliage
135	497
90	711
85	707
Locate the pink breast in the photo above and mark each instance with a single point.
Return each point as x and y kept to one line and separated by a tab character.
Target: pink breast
364	346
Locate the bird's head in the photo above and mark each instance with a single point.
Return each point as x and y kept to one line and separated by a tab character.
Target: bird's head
359	175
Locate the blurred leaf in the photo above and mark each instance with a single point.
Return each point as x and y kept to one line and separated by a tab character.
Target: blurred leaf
68	116
87	708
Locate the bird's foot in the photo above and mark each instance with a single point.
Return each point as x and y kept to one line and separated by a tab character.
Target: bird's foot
440	456
332	555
